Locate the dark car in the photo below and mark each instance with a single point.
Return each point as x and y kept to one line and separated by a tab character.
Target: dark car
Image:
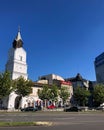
29	109
72	109
100	108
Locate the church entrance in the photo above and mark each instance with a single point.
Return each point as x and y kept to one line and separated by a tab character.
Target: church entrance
17	102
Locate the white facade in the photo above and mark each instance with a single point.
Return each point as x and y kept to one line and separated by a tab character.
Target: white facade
42	81
11	101
31	99
16	63
17	66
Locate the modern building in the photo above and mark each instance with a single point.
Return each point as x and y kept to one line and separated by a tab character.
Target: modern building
99	68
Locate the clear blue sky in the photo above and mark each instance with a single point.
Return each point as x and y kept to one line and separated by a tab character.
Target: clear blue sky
60	36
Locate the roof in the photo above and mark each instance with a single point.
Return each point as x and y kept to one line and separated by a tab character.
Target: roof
17	43
18	37
77	78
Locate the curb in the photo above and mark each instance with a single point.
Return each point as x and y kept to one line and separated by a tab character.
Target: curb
41	123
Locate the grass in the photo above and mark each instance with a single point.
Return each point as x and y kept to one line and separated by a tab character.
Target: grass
10	124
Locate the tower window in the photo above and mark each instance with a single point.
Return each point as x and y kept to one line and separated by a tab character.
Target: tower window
20	58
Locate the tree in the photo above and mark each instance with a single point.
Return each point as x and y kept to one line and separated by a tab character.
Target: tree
64	94
53	93
44	93
81	96
6	84
98	94
48	93
23	87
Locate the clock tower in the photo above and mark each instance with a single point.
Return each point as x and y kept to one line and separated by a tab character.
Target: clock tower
16	63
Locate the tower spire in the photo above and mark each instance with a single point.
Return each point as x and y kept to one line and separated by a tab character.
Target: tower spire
18	37
18	40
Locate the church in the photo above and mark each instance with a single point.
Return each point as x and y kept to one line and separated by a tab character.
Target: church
16	63
17	66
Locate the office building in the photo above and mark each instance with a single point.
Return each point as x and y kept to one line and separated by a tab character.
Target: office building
99	68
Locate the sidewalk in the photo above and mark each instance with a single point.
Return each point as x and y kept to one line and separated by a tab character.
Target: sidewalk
55	109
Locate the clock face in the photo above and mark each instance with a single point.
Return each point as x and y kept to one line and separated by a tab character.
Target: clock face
19	68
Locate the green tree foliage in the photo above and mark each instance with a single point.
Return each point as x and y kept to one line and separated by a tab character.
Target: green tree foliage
98	94
64	93
23	87
81	96
49	93
44	93
53	92
6	84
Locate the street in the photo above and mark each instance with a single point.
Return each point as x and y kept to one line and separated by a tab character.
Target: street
61	120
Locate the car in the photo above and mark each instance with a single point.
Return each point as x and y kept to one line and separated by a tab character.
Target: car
51	106
100	108
29	109
72	109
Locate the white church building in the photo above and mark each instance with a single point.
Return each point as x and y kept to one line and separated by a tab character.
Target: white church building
17	66
16	63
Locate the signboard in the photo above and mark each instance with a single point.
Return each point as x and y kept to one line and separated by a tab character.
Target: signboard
66	83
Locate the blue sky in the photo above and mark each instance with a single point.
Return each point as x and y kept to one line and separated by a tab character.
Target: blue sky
60	36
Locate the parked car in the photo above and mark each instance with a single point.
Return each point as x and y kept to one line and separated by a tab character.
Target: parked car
29	109
72	109
82	108
51	106
100	108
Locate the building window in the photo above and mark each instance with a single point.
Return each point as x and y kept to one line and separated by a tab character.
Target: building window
20	58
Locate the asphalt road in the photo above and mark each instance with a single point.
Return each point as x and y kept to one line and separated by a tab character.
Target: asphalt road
61	120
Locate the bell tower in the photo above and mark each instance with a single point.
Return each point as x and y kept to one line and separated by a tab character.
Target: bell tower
16	63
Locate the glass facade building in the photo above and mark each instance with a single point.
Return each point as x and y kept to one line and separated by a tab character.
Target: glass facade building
99	68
